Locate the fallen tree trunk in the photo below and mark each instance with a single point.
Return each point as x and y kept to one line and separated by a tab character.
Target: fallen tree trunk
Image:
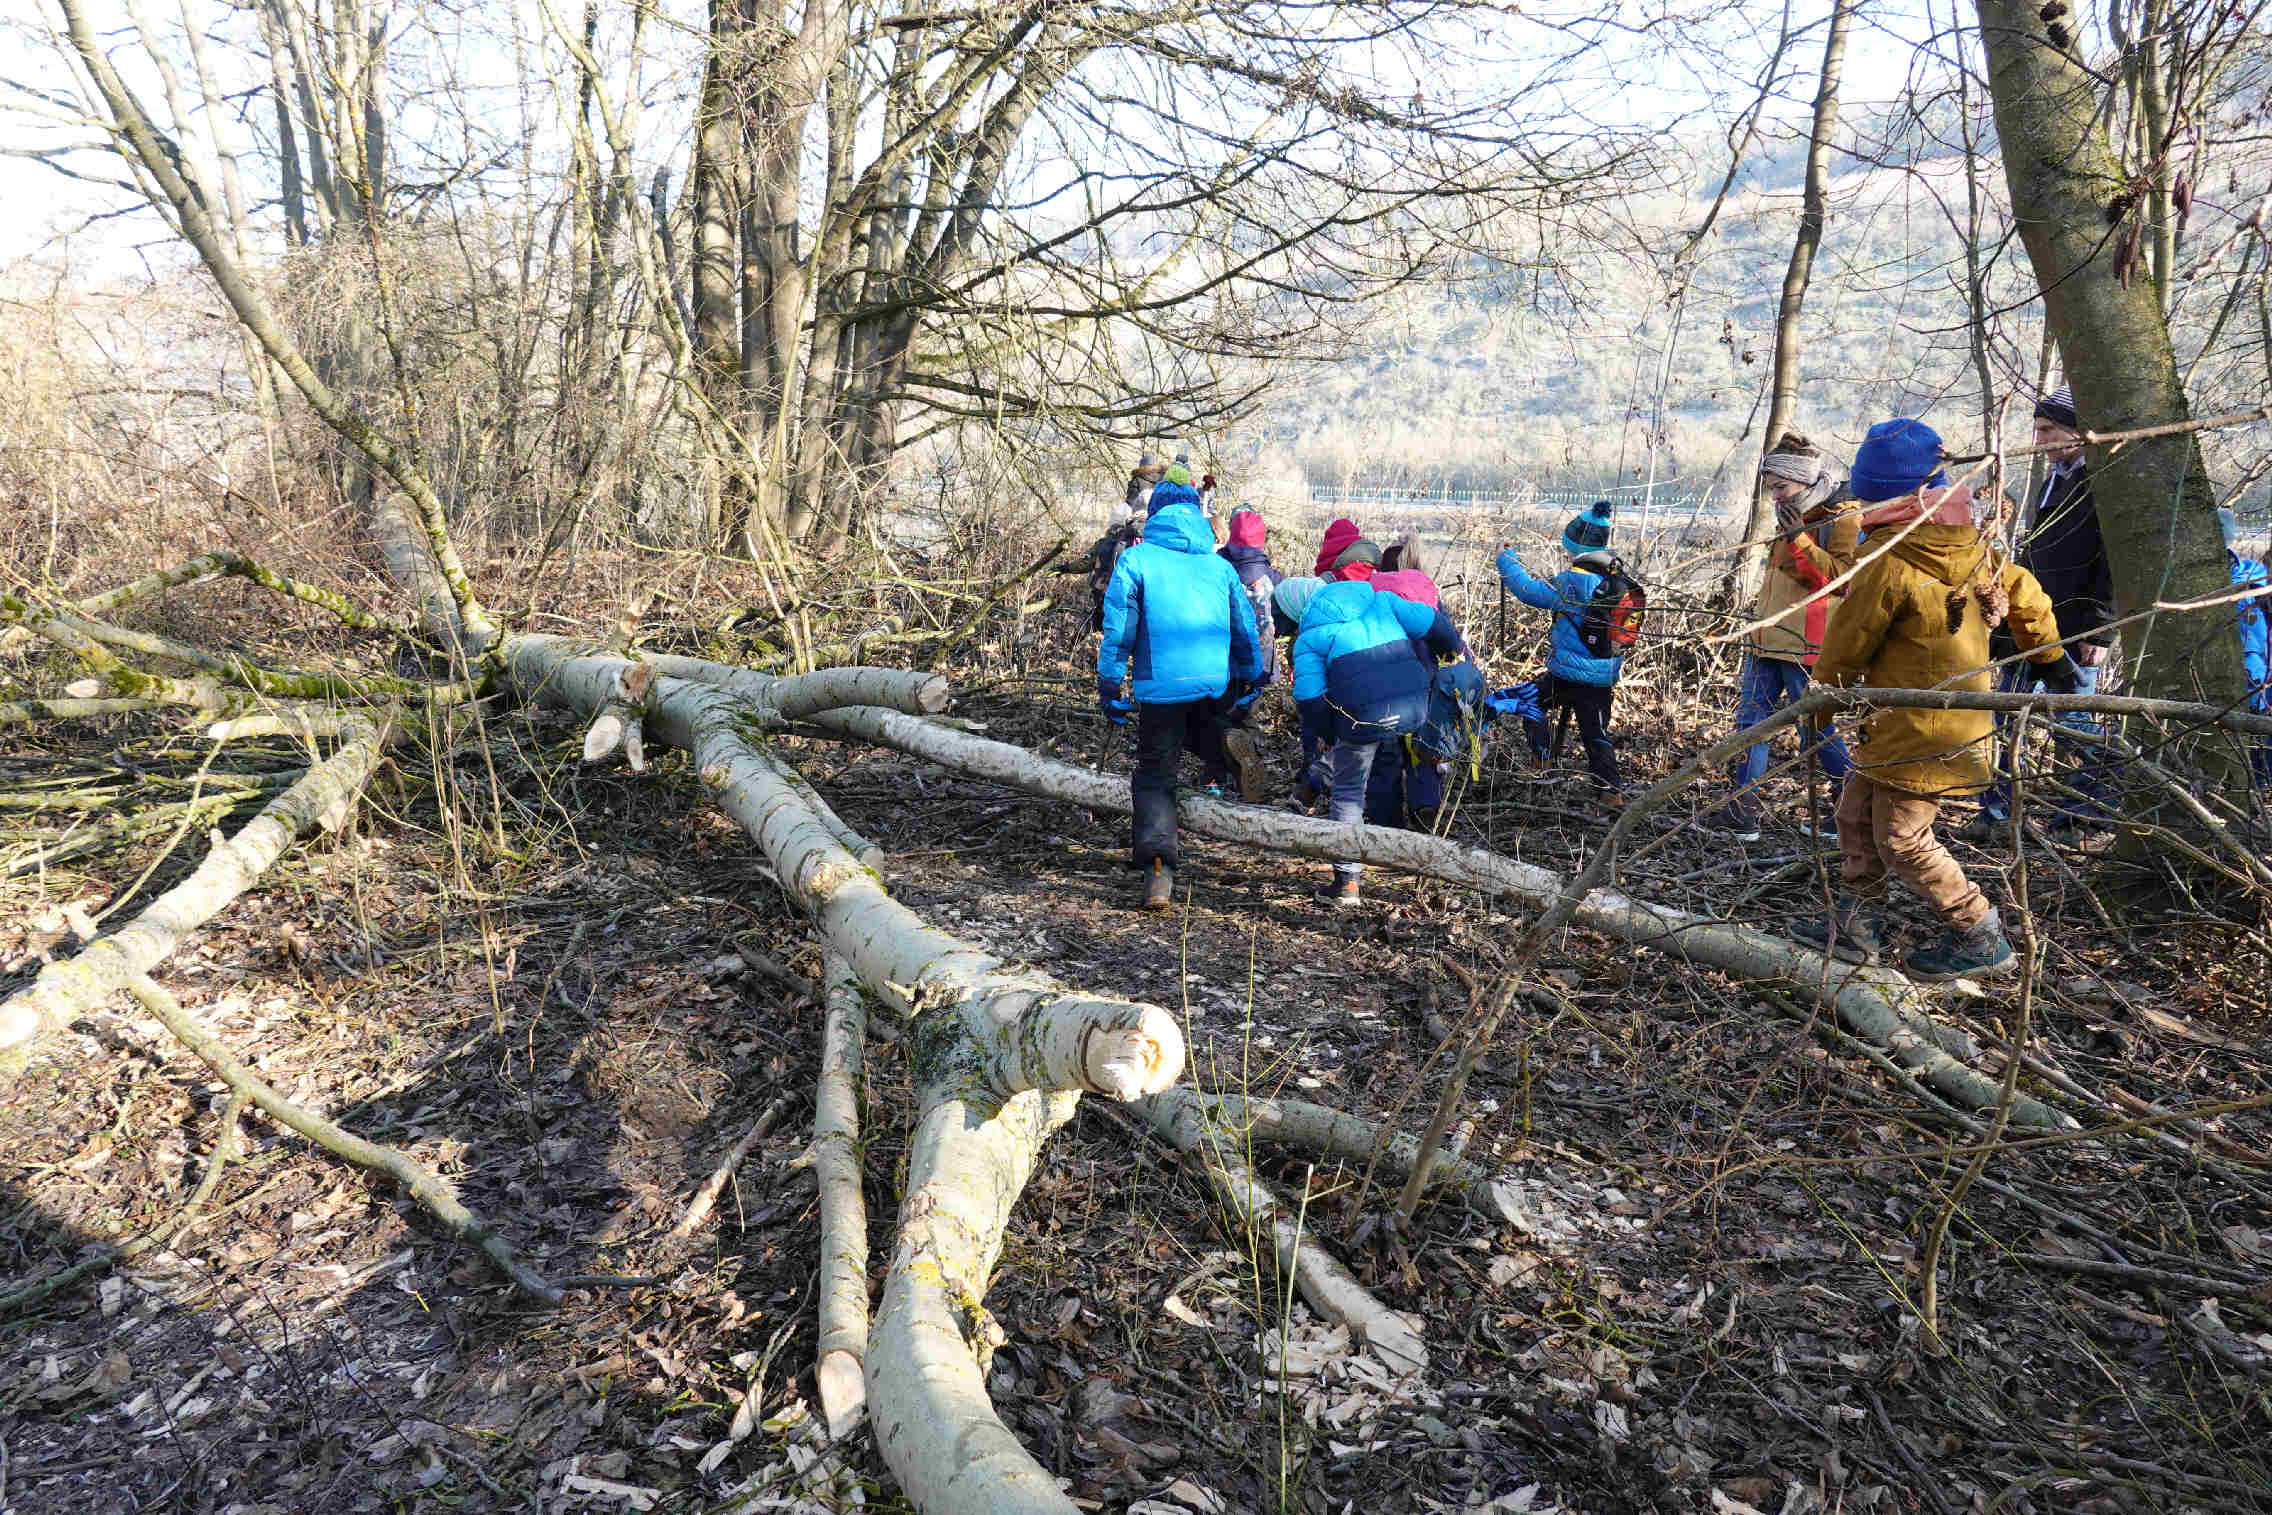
1192	1123
110	964
1876	1004
840	1357
1000	1060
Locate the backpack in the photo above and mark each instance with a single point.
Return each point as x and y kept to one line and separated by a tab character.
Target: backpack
1613	618
1456	713
1107	553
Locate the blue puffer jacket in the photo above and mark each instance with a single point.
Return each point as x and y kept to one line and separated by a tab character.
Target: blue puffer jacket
1567	594
2255	630
1361	665
1176	617
1167	492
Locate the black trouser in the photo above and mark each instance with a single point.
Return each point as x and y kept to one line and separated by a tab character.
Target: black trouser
1163	733
1591	704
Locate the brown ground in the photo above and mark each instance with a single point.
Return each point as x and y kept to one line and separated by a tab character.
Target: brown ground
532	984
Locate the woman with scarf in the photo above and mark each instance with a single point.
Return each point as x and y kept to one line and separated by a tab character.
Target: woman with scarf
1815	528
1917	616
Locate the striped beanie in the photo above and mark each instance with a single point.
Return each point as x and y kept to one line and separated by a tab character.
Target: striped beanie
1588	530
2058	407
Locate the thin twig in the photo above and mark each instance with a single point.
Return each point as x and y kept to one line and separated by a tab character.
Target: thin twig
698	1209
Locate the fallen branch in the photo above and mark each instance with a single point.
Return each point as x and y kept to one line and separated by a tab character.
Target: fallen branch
25	712
2144	1278
225	1151
1188	1121
323	797
706	1198
213	565
1326	1132
435	1193
840	1355
1877	1004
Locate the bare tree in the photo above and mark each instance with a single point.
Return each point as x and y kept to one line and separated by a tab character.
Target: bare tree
2078	216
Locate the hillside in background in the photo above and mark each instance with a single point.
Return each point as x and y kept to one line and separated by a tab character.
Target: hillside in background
1587	369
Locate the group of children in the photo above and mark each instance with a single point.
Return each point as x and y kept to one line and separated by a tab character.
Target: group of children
1880	578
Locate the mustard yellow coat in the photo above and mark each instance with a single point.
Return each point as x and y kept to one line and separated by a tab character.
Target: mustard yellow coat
1793	600
1904	625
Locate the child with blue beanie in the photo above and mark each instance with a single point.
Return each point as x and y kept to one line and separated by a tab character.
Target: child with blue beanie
1575	678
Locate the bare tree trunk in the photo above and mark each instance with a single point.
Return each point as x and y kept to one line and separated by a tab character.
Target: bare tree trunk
2155	506
1744	572
717	191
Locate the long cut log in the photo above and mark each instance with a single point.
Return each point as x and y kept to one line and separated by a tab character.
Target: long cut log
840	1359
1876	1004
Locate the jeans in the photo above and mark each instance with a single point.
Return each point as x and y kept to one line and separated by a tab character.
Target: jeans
2093	778
1163	732
1384	785
1353	765
1591	704
1768	685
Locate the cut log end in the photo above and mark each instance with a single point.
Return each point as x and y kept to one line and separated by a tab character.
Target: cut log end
843	1392
19	1022
1129	1062
604	737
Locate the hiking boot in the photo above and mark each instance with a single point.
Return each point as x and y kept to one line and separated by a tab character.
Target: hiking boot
1342	893
1981	952
1851	932
1425	820
1611	800
1246	762
1305	794
1737	818
1824	830
1159	886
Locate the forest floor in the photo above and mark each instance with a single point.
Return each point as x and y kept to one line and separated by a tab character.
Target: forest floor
538	980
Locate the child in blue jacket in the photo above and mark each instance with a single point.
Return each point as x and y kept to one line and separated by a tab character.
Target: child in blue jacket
1177	624
1574	677
2255	636
1363	671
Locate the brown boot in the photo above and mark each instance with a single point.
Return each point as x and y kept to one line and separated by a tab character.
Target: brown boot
1246	762
1159	886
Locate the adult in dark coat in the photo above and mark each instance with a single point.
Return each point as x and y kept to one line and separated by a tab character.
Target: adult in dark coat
2062	546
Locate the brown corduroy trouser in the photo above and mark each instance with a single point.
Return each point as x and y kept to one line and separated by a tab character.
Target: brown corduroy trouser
1882	830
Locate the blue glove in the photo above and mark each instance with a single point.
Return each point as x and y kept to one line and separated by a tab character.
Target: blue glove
1116	709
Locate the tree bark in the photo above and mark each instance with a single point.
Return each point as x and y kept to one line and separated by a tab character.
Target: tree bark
2155	505
841	1353
1743	574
